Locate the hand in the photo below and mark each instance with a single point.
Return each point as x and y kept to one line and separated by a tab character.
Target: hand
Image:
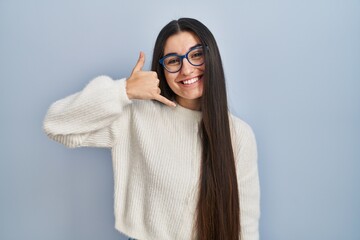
145	84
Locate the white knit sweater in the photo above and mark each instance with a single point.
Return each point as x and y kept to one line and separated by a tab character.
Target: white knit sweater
156	152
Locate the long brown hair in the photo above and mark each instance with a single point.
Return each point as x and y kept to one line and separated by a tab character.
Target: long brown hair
218	210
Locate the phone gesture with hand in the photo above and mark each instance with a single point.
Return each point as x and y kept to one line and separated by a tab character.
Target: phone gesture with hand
145	84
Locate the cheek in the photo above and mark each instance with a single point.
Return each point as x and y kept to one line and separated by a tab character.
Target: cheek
170	78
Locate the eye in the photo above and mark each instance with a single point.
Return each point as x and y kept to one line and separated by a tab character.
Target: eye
197	54
172	61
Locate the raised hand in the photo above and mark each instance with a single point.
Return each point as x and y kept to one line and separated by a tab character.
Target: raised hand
145	84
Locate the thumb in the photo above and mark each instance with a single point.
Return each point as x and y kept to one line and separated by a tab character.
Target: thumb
140	63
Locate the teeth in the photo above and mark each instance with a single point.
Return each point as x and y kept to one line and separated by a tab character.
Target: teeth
190	81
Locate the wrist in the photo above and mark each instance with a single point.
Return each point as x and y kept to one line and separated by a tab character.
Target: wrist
128	90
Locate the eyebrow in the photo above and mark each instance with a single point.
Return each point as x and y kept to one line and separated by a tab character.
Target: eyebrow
174	53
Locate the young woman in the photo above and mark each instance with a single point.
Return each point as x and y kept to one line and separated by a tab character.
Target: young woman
184	167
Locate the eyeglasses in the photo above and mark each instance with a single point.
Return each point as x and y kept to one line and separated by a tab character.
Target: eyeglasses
173	62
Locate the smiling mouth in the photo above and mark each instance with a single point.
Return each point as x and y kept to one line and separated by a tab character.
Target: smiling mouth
191	81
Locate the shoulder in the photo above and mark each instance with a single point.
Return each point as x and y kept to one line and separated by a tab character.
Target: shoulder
151	107
146	112
241	132
240	127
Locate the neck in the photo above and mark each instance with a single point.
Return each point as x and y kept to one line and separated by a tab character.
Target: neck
192	104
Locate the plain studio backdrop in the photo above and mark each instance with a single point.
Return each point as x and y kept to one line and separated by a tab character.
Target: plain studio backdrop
293	73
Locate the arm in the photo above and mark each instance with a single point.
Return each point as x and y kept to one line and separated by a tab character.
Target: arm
248	183
85	118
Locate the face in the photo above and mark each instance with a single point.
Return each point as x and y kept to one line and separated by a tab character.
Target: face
187	83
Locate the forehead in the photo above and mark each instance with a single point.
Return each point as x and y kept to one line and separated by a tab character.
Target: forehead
180	42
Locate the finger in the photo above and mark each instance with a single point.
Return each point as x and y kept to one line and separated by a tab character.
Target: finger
140	63
165	101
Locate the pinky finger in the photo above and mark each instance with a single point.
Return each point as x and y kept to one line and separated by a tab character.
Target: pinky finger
165	101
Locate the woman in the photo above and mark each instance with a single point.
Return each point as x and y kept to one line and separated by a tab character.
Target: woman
184	168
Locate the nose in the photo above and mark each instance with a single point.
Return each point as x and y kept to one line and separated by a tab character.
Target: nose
186	68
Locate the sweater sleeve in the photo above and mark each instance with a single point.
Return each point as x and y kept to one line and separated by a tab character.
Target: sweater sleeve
85	118
248	181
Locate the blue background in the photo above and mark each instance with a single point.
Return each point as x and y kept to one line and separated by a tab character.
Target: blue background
293	73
